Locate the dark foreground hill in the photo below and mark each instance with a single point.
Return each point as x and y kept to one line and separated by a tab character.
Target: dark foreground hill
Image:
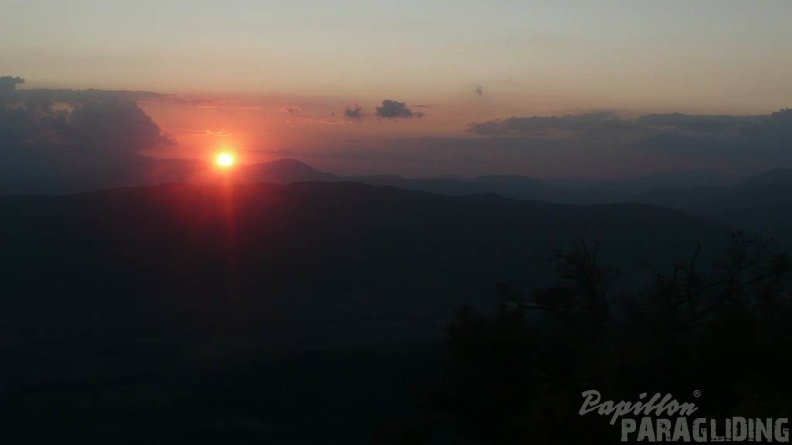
760	204
286	314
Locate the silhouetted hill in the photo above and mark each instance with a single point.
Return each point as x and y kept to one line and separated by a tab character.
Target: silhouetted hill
143	171
760	204
674	180
282	171
561	191
519	187
323	250
164	305
778	177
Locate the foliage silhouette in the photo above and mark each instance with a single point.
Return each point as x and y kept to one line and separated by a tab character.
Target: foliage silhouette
516	375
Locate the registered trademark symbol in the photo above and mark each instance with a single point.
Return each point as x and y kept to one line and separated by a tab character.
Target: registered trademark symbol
697	393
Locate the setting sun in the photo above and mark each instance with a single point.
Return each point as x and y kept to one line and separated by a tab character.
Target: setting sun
225	160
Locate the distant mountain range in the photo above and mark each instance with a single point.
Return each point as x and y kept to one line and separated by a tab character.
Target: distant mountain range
561	191
762	204
143	171
758	204
140	171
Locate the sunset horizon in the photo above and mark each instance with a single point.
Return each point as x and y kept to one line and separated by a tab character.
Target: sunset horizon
356	88
419	140
395	222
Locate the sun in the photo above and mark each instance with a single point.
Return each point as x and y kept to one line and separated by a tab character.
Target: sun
225	160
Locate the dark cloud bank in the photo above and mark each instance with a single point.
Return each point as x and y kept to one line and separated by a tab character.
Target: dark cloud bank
47	133
728	138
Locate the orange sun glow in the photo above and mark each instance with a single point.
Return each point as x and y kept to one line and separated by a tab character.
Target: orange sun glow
224	160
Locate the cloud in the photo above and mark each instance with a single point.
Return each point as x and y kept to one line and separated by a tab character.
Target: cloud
354	113
315	120
690	123
8	87
213	133
198	102
68	96
392	109
725	140
732	136
218	133
297	115
291	110
24	126
114	126
608	123
554	126
38	138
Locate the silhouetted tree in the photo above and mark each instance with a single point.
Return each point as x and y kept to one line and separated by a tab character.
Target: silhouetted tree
516	375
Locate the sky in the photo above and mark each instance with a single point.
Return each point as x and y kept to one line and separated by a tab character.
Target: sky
272	79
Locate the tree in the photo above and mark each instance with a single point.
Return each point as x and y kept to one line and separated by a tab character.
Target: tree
515	375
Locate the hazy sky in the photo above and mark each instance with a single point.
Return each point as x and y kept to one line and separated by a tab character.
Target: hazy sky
689	55
298	64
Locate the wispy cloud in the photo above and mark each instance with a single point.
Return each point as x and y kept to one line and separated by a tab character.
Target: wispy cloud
291	110
213	133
